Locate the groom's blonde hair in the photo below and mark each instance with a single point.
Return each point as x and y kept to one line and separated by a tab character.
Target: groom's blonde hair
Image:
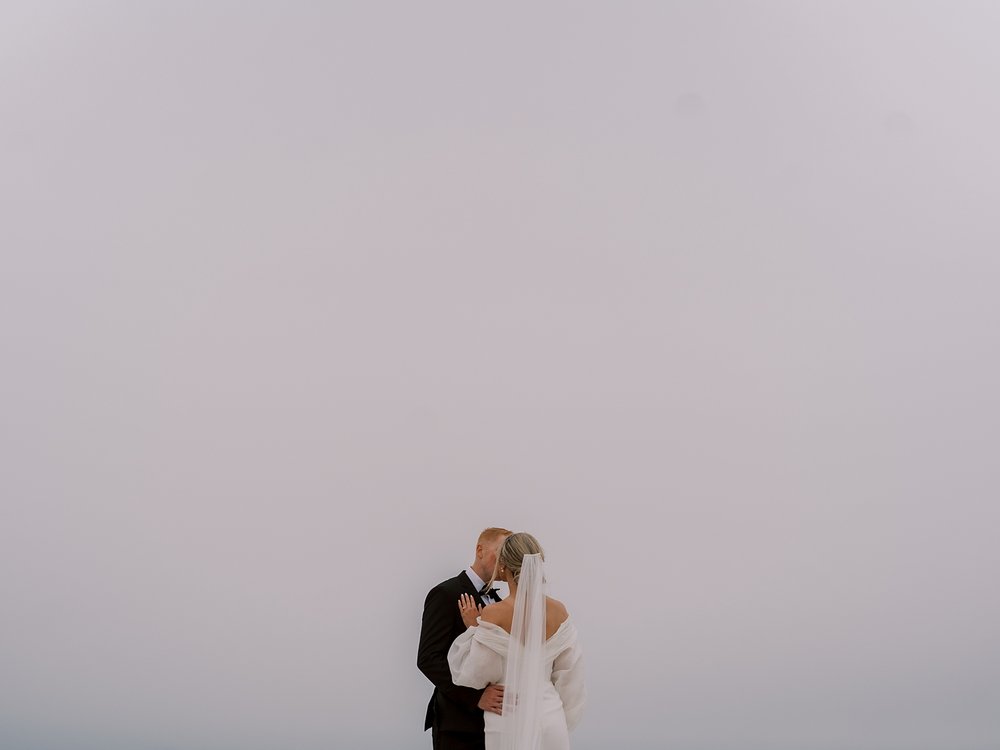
492	533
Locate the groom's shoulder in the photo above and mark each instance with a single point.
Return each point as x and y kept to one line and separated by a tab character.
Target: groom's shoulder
449	585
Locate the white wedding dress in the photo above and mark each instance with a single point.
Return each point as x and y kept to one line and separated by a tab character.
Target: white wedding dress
478	657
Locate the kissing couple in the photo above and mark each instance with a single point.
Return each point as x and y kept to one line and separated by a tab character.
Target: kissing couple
507	671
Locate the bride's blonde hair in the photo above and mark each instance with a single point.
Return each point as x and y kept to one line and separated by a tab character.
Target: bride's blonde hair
512	551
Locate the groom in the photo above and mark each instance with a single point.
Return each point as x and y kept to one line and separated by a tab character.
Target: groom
455	713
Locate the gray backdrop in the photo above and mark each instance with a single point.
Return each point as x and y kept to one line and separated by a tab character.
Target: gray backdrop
298	297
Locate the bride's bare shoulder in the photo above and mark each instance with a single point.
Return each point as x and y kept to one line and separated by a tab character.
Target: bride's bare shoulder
496	614
556	612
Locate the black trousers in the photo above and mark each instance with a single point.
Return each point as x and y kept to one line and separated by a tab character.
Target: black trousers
458	740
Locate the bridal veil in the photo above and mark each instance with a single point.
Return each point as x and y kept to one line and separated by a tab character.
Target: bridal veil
524	680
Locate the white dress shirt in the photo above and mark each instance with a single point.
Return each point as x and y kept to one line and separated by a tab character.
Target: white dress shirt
479	583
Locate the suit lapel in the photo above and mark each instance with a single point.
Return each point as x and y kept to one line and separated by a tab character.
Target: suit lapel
470	588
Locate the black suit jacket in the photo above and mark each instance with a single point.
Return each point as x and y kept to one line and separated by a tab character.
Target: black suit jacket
452	708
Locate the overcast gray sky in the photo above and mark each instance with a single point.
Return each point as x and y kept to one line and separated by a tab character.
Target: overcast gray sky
295	298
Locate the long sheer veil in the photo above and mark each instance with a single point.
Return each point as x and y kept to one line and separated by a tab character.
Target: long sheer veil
523	679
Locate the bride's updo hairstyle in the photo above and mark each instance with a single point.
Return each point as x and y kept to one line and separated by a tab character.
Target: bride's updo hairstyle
512	551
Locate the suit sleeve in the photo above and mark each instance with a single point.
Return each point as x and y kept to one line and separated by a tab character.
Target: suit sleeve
435	640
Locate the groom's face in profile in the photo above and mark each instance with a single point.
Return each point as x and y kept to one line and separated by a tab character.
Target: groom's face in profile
486	554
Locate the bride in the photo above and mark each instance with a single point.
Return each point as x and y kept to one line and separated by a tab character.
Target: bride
528	643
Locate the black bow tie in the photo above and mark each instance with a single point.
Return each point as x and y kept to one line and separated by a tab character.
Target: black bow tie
492	592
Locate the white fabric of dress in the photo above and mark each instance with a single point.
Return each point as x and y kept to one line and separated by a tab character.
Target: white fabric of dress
478	658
